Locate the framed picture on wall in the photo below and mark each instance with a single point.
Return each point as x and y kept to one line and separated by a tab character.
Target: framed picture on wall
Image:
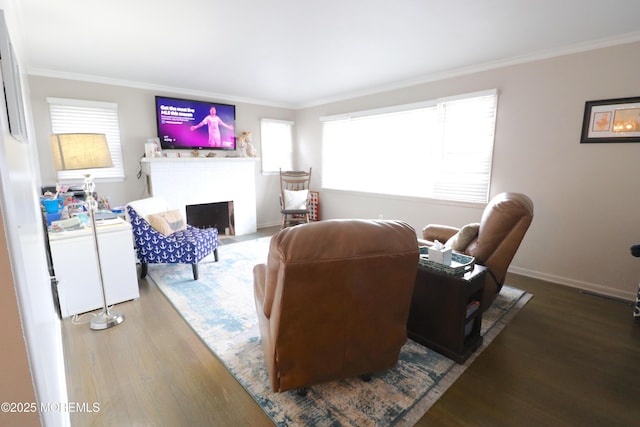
611	120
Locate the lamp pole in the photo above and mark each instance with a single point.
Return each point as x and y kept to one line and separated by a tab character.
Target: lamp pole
106	319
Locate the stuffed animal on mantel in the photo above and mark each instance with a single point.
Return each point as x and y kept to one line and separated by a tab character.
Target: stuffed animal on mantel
245	147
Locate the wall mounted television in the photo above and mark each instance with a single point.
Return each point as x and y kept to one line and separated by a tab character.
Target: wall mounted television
195	125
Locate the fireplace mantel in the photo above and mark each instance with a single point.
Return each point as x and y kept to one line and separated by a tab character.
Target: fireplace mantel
183	181
203	159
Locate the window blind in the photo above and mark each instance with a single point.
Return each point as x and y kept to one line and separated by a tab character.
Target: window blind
276	137
435	149
73	116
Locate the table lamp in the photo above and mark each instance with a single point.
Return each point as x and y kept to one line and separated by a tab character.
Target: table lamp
73	151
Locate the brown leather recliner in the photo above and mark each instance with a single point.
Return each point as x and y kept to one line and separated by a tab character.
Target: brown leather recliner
333	299
504	222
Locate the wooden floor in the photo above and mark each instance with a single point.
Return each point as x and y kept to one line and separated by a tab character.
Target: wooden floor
567	359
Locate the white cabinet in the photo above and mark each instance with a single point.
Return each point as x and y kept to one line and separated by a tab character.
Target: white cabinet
76	268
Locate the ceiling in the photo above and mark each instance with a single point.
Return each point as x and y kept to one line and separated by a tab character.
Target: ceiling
296	53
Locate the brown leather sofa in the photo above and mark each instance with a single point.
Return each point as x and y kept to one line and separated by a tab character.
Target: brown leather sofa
504	222
333	299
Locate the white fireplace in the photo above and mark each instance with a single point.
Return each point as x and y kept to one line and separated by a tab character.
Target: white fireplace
183	181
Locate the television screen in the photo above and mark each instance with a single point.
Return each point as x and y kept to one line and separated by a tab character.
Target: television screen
190	124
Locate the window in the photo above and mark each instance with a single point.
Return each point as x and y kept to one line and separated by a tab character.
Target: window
276	137
71	116
438	149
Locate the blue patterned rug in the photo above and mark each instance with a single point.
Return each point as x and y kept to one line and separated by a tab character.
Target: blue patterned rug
220	309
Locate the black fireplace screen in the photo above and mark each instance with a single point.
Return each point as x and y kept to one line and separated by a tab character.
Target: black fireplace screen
206	215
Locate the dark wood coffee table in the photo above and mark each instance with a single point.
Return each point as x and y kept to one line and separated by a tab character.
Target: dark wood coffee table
445	312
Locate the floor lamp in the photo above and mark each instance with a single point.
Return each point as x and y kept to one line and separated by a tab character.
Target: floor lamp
73	151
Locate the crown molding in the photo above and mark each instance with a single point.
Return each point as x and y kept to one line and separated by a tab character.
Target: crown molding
516	60
428	78
90	78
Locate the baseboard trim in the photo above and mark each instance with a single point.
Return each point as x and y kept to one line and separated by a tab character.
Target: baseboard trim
578	284
268	224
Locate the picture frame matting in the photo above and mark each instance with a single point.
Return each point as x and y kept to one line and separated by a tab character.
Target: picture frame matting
611	120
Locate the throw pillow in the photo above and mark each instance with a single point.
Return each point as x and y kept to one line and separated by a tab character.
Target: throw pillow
460	240
168	222
295	200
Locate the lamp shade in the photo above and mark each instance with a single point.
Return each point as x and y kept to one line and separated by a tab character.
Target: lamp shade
80	151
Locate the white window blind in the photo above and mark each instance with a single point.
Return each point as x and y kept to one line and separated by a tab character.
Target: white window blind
73	116
276	137
438	149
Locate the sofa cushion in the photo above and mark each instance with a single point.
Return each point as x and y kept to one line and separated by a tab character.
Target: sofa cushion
460	240
168	222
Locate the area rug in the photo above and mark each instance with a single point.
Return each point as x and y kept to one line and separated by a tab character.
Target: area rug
220	309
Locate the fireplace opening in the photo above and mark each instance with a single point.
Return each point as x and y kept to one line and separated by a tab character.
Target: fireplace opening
206	215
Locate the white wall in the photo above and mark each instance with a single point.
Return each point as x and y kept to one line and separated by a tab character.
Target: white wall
22	220
585	195
136	111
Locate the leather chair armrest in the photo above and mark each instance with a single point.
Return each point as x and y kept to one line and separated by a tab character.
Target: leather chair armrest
423	242
442	233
